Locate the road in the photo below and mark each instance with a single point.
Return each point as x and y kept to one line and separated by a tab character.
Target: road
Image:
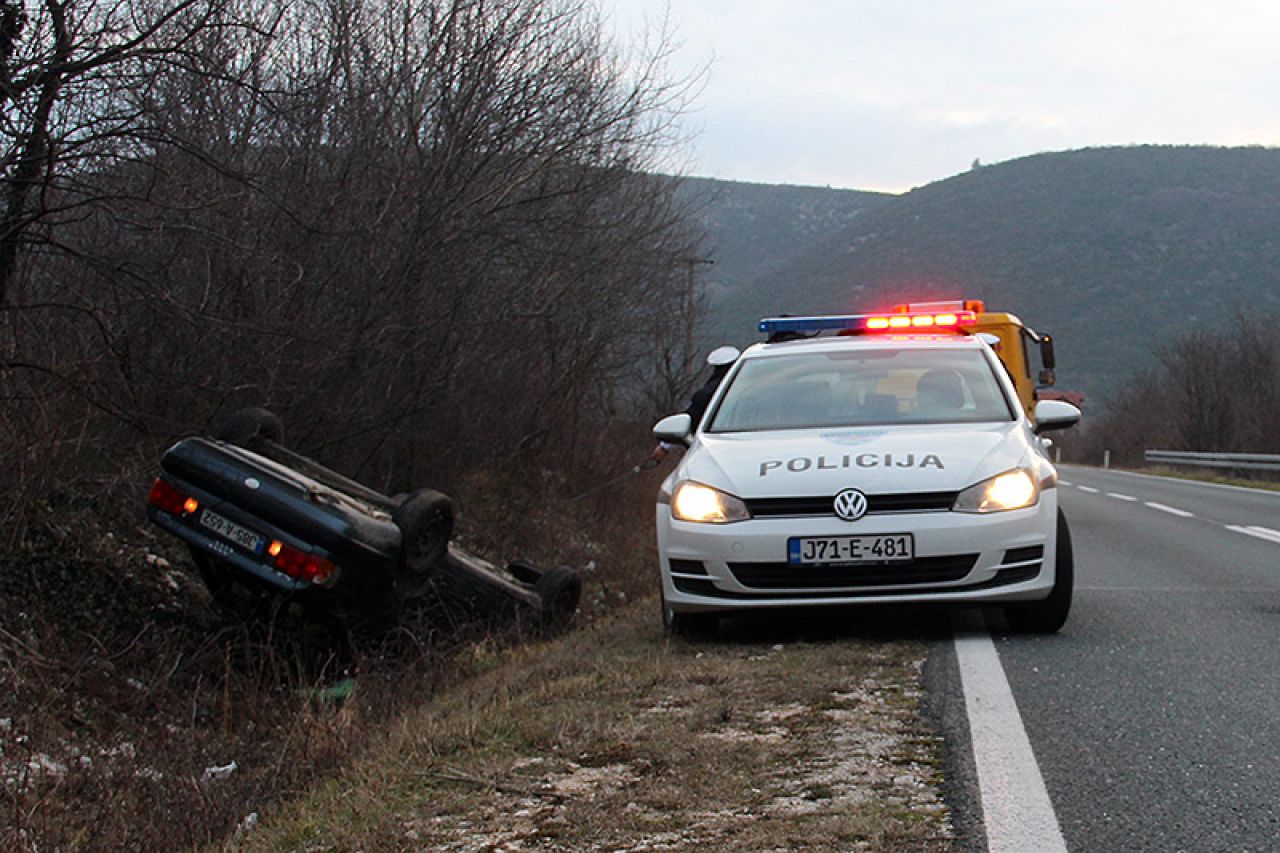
1154	716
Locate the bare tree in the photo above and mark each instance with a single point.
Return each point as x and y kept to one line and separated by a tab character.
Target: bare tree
426	231
62	64
1214	390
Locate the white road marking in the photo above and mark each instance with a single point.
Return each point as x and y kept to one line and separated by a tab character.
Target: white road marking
1265	533
1090	489
1121	497
1065	483
1181	513
1015	803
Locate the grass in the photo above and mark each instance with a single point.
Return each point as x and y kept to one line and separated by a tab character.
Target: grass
615	738
1208	477
122	693
120	687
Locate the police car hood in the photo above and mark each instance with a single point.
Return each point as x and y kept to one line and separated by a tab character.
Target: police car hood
877	460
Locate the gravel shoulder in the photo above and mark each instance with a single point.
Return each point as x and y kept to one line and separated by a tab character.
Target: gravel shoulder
616	738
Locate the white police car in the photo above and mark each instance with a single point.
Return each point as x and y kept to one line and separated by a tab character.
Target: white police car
864	468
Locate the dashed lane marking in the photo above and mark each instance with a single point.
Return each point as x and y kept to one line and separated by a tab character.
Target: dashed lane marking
1090	489
1181	513
1065	483
1265	533
1121	497
1016	809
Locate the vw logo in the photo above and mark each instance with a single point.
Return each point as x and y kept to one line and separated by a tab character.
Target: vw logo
851	505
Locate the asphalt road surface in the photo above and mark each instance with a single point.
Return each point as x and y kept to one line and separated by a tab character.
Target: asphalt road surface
1154	715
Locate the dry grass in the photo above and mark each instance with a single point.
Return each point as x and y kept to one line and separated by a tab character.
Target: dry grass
613	738
124	702
1210	477
123	695
122	692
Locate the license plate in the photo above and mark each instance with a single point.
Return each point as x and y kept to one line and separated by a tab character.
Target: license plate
242	536
850	550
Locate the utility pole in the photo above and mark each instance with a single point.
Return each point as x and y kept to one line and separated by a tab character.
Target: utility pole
690	263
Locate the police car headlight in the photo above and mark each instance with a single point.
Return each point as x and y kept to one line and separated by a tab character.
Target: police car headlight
1011	490
696	502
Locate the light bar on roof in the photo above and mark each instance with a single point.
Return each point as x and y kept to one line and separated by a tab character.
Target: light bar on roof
927	321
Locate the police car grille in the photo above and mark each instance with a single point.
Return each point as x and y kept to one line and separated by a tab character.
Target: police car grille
876	504
786	576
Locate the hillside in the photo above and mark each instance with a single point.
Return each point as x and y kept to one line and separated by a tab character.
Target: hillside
1113	250
756	229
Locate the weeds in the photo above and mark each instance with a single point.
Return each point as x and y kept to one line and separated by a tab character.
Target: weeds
133	715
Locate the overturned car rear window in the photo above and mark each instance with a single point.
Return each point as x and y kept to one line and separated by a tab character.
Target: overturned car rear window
861	388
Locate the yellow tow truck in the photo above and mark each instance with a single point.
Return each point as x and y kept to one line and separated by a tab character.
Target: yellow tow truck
1016	344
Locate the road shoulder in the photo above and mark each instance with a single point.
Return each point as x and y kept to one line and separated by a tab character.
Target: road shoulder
614	737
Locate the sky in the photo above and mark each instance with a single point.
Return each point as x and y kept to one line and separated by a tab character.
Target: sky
893	94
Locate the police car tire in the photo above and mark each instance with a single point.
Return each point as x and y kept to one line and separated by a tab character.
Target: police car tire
425	519
559	590
690	626
1050	614
246	427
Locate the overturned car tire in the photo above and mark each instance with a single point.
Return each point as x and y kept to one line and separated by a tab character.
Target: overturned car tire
559	590
425	519
248	427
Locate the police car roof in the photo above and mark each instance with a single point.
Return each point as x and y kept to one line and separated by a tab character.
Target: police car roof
829	343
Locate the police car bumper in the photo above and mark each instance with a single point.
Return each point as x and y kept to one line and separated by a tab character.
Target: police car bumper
958	557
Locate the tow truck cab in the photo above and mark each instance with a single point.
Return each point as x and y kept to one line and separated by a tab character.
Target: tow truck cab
1014	342
1018	344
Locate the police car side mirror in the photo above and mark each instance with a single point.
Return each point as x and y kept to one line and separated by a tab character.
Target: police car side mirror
674	429
723	356
1055	414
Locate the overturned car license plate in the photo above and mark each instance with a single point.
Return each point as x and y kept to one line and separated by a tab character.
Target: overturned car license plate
242	536
850	550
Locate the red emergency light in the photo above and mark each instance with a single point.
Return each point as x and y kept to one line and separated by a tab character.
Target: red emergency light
897	322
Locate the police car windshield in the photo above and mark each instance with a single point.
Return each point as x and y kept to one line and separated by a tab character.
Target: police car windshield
861	388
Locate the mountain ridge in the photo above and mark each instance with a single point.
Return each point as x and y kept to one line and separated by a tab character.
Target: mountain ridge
1115	251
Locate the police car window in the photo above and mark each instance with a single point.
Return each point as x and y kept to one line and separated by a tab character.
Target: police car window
866	387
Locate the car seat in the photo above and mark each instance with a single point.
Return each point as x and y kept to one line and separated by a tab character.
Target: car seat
940	392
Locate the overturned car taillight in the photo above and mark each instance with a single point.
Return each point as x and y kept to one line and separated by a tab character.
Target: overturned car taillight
165	497
299	564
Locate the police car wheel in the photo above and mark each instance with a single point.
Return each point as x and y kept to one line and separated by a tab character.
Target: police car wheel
691	626
425	519
1049	615
247	427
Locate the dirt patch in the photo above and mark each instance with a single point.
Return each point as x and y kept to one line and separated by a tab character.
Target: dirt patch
616	739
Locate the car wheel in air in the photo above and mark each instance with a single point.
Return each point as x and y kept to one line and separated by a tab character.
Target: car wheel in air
559	590
425	519
248	427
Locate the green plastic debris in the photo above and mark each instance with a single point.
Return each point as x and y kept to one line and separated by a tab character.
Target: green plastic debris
338	692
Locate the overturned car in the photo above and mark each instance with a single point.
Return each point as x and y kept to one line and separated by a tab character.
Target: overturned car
267	524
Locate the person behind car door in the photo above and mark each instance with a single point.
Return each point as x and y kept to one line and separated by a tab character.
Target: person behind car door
720	359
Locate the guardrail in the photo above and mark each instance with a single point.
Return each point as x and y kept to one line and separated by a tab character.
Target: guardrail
1237	461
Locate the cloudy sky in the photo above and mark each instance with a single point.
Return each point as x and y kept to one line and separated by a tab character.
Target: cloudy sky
891	94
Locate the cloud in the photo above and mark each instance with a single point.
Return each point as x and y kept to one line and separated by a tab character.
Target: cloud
884	93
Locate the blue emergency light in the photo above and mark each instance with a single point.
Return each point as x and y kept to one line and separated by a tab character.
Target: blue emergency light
892	322
828	323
